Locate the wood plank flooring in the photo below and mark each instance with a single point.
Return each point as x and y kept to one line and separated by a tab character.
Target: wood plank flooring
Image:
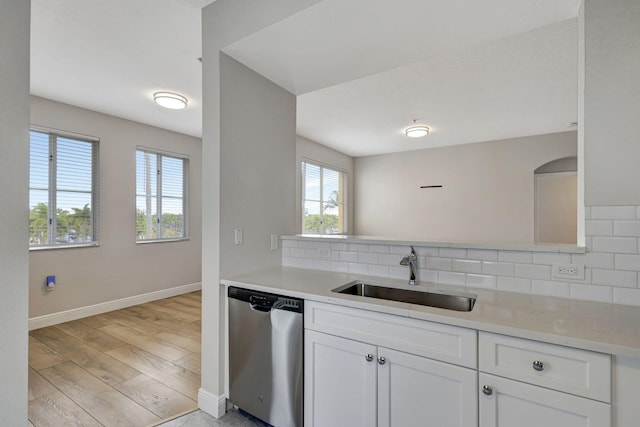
131	367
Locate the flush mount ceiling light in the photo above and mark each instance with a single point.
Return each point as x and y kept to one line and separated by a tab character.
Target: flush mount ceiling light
416	131
173	101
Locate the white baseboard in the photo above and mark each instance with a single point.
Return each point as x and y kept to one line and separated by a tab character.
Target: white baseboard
91	310
213	404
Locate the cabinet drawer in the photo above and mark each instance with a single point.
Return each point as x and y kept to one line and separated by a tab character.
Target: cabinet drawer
581	372
447	343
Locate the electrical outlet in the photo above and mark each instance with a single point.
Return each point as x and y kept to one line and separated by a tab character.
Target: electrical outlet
238	236
274	242
567	272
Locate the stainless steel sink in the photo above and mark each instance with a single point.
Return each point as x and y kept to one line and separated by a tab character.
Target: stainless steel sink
458	301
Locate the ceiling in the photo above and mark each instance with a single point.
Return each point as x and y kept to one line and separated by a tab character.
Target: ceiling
362	69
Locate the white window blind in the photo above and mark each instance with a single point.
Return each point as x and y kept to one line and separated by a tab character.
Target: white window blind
160	196
63	190
322	199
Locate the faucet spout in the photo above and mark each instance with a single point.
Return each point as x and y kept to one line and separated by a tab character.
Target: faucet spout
412	261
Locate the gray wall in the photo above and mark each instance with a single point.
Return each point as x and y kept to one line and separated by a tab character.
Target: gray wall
14	166
611	107
119	267
311	150
487	194
257	171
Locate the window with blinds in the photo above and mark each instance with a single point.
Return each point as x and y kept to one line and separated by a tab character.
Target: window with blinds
160	196
322	200
63	190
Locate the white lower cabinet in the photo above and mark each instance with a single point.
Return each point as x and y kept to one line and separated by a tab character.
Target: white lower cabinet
505	402
349	383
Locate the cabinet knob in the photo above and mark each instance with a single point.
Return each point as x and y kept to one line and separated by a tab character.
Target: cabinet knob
382	360
487	390
538	365
369	357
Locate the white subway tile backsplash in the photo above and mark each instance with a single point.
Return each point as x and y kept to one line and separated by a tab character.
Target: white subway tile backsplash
380	249
358	247
626	279
515	256
625	245
593	259
587	212
599	227
399	272
389	259
554	289
637	212
339	246
357	268
514	284
613	212
591	292
626	228
311	253
349	256
340	267
368	258
551	258
297	252
449	278
427	251
498	268
627	262
321	264
286	252
626	296
482	254
378	270
425	275
452	253
289	243
312	245
305	263
466	266
481	281
289	262
401	249
531	271
442	264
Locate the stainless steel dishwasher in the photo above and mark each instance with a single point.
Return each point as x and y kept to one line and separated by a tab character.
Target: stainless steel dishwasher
265	356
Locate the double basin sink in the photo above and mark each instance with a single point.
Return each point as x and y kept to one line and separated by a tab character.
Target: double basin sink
458	301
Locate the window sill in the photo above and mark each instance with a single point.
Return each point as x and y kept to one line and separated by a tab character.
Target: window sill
70	246
146	242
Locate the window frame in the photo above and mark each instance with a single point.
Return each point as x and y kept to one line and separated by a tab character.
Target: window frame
158	195
323	166
53	135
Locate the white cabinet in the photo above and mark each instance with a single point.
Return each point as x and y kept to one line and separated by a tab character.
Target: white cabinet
506	402
528	383
340	384
354	383
416	391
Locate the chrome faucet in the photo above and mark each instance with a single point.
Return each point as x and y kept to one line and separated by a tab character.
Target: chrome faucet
412	261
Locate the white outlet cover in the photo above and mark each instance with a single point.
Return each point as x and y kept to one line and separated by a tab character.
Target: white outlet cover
558	272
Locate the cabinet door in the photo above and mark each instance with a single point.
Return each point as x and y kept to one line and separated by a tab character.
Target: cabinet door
414	391
340	382
512	403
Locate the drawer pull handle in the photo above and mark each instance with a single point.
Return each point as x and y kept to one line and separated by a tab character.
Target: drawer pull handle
538	366
487	390
382	360
369	357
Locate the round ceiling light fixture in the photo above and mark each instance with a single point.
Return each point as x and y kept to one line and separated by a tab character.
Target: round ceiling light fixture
170	100
416	131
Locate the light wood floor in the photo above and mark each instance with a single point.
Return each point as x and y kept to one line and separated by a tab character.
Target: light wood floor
130	367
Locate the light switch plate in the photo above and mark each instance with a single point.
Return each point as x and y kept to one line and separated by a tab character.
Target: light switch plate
274	242
238	236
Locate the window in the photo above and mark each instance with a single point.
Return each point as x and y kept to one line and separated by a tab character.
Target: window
63	190
160	196
322	200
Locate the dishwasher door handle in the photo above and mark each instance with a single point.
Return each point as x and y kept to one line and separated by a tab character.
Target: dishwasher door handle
257	307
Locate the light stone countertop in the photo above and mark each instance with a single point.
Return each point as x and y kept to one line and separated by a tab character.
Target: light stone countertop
602	327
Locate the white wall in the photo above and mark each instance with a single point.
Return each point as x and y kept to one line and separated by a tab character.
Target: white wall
311	150
14	166
487	194
257	175
611	108
223	22
119	267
